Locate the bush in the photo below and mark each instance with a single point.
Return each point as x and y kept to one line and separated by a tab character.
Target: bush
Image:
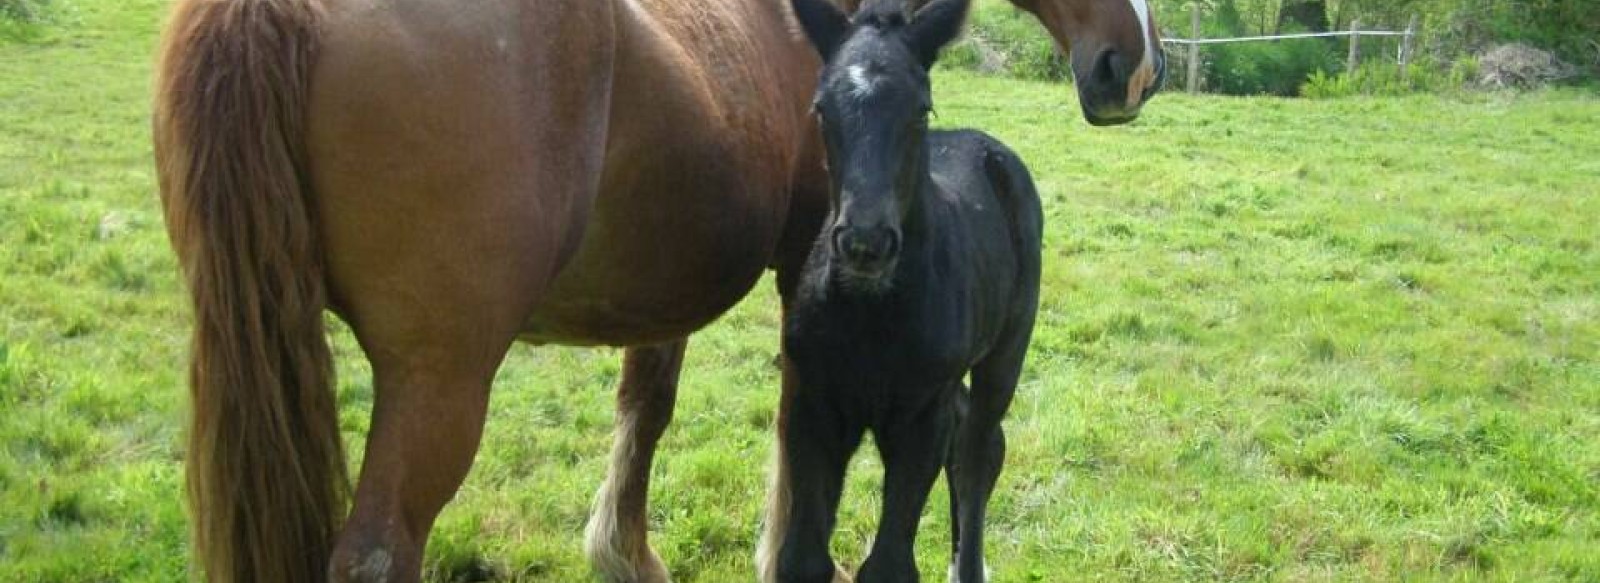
1566	27
1276	68
1423	75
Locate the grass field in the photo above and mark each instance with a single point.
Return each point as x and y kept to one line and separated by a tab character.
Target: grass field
1350	340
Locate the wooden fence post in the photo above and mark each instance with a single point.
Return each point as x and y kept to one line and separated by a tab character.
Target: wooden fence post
1405	47
1355	45
1194	47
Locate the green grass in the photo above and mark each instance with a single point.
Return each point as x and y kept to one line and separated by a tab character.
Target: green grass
1346	340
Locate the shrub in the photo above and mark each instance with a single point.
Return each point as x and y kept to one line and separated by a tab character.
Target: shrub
1423	75
1566	27
1277	67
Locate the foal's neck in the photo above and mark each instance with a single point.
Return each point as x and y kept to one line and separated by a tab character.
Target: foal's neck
918	217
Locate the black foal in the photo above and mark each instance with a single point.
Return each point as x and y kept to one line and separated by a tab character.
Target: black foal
927	269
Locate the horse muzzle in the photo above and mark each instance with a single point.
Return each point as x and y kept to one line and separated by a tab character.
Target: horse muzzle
1115	88
866	252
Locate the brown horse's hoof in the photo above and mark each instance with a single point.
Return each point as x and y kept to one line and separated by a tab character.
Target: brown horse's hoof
653	570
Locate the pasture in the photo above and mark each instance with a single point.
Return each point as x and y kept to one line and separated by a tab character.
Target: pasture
1280	340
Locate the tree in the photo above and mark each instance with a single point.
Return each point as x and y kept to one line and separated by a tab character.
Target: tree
1310	15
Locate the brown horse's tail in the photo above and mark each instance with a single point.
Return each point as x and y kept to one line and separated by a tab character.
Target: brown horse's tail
266	470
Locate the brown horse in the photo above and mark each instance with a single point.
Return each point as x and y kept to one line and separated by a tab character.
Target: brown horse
449	178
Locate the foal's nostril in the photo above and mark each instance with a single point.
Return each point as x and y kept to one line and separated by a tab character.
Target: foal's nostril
867	246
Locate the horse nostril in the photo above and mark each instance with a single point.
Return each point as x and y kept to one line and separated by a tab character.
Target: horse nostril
841	240
1105	68
866	245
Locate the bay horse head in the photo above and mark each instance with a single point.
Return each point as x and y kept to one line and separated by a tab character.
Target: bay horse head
1115	49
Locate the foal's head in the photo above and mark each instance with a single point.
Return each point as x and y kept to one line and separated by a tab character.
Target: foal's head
873	104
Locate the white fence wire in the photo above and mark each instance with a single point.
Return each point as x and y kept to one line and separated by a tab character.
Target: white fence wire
1212	41
1355	33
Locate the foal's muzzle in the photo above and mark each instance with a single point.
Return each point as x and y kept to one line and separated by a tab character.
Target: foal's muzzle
866	250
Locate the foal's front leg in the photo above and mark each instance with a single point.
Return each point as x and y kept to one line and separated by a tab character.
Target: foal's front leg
616	539
817	445
913	449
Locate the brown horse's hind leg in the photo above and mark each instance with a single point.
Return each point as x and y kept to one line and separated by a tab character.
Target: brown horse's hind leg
616	539
456	156
776	520
435	322
428	416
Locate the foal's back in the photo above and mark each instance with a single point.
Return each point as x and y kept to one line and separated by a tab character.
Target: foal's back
988	181
992	218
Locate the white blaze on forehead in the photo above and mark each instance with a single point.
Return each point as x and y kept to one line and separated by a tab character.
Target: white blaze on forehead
861	85
1144	75
1142	9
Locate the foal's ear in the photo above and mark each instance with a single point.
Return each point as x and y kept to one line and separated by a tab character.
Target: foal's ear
934	26
824	24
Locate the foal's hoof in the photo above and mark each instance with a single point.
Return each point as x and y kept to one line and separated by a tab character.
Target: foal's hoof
956	577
